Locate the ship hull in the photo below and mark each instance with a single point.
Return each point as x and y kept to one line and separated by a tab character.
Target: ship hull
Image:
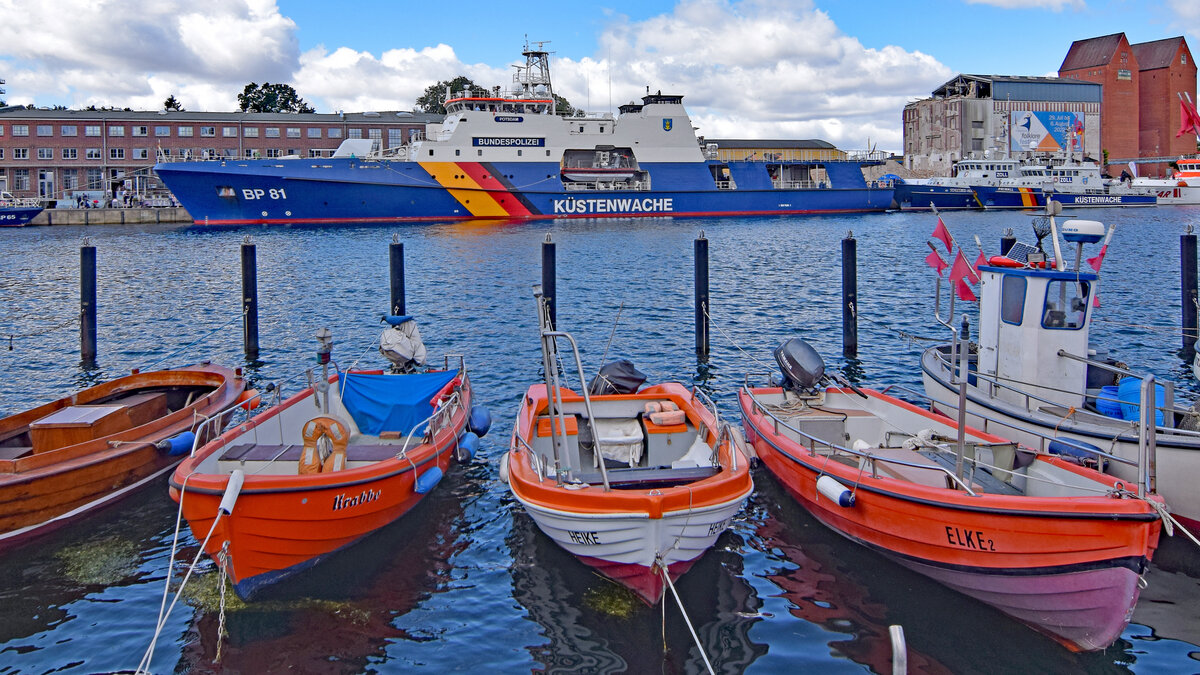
1006	197
910	197
16	216
348	190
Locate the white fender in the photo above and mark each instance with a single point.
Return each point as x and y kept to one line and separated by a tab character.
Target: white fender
504	468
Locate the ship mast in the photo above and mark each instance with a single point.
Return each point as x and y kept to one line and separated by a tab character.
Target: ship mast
533	80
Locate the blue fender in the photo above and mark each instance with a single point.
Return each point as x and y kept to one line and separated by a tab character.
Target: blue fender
427	480
180	444
468	446
480	420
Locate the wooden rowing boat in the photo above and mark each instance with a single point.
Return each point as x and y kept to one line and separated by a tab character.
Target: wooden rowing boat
1053	544
633	491
64	459
323	469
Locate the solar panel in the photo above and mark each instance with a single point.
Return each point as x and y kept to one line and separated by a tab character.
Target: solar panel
1020	252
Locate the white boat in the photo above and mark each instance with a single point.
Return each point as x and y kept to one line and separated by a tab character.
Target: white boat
1035	379
1183	188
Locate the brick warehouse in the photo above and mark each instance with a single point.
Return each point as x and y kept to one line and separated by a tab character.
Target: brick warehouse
55	153
1139	109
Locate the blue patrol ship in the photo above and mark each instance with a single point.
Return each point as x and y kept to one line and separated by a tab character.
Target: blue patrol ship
509	156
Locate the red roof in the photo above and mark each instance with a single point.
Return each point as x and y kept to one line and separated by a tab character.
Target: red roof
1097	51
1157	54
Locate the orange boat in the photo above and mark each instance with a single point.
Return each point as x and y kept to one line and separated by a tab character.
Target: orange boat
324	468
1053	544
637	484
62	460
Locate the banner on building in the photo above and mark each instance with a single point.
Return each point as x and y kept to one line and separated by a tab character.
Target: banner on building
1045	131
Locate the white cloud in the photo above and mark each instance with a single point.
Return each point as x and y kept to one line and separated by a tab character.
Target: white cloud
747	68
128	53
1053	5
1187	16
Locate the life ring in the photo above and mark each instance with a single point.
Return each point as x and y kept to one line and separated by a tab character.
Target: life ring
1004	261
310	456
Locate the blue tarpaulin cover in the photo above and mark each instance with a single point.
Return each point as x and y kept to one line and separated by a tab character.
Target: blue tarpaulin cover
391	402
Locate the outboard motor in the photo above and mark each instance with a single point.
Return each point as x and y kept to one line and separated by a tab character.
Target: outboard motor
801	365
401	344
617	377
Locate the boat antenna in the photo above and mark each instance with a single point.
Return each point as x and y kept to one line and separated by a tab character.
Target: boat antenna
604	358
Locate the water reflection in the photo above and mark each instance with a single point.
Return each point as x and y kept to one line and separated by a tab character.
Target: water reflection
592	625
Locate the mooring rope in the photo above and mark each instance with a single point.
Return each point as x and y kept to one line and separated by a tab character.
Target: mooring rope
667	577
197	340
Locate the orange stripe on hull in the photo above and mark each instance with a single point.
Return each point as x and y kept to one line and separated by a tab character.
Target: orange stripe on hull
1028	197
478	191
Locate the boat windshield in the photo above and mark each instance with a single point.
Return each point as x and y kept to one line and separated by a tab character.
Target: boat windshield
1066	304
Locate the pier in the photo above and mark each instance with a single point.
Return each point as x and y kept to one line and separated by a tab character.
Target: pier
105	216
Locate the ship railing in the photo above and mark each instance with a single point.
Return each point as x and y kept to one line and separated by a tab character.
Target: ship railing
726	185
812	443
796	184
594	186
1168	408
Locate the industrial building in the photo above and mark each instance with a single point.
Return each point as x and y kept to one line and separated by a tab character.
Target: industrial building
1113	101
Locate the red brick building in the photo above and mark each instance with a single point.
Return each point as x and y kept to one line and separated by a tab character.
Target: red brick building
1110	62
1167	70
55	154
1139	110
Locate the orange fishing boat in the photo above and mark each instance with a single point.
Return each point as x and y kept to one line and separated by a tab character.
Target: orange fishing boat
1053	544
337	461
637	484
62	460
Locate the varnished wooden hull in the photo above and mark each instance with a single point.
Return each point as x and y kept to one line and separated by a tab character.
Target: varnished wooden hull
41	491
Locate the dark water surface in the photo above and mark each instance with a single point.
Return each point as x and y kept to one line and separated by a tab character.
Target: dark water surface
466	582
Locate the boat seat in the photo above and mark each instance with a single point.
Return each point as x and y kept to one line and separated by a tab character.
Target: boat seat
15	452
981	479
929	473
252	452
655	476
620	439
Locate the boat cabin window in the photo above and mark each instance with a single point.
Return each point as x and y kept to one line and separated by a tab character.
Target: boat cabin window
1066	304
1012	299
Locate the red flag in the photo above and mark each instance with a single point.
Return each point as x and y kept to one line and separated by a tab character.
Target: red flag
964	291
943	234
1095	262
981	260
1185	119
935	261
962	269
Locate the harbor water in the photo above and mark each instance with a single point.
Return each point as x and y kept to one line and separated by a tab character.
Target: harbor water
466	582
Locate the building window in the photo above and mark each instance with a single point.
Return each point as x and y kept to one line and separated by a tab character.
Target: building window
1	129
116	153
45	153
250	132
1183	59
92	153
395	137
20	130
335	133
70	179
1	157
208	132
250	153
293	152
355	133
274	153
140	131
314	153
375	134
184	132
314	132
70	153
20	153
162	131
116	131
1124	57
68	130
95	179
293	132
229	132
45	130
20	179
91	130
141	153
271	132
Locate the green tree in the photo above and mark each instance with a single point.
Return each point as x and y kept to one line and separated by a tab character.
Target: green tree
434	98
272	98
172	103
563	107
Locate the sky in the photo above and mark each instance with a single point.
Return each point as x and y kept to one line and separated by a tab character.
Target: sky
836	70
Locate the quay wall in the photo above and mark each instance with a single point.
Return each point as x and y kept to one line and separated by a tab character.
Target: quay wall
132	216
